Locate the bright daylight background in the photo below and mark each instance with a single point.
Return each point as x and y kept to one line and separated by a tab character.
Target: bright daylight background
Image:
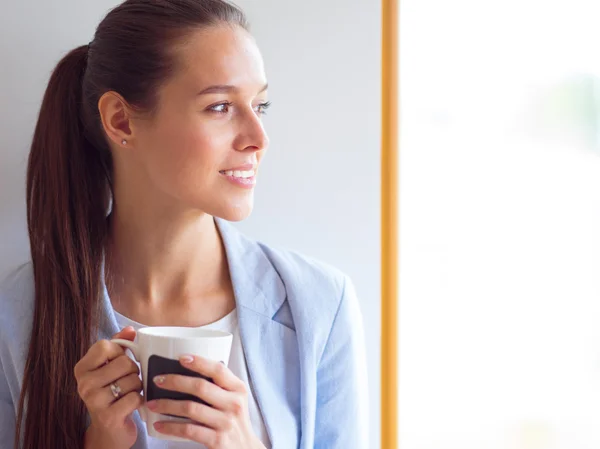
499	224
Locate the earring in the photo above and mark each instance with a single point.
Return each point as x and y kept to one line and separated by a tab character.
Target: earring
124	142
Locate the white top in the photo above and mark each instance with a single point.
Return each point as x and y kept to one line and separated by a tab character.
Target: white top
237	364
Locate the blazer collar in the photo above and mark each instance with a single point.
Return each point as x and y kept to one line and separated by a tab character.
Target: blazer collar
256	283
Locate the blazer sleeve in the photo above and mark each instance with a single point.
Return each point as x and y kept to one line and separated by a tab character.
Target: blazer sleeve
342	416
7	413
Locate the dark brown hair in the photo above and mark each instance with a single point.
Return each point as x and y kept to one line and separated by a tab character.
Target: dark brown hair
68	181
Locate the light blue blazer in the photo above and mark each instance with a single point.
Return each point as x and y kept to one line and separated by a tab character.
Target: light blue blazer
302	334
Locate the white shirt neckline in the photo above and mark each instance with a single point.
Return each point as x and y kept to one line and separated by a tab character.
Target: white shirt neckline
229	321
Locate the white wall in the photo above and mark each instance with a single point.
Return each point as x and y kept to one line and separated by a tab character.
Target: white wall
319	187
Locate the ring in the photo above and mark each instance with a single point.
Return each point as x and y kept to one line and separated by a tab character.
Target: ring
116	390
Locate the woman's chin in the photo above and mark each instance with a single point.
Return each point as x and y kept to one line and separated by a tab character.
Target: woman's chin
235	212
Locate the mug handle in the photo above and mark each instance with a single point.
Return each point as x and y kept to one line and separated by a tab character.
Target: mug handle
135	349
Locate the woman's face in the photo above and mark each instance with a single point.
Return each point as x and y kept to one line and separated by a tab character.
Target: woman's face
203	145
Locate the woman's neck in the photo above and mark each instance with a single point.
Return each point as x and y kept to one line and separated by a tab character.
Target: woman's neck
162	261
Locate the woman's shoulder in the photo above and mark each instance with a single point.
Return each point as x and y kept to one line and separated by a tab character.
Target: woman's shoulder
305	278
304	270
314	288
320	303
17	292
16	299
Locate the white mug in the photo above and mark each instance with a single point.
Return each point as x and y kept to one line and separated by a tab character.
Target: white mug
159	349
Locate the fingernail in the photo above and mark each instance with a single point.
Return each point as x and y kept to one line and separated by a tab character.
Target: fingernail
151	405
186	358
159	380
158	426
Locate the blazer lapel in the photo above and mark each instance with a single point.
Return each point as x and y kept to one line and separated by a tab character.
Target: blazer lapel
270	348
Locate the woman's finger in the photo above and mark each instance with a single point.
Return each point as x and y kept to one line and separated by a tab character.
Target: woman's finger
127	404
202	414
127	333
126	385
120	367
102	398
194	432
201	388
217	371
100	352
115	369
118	413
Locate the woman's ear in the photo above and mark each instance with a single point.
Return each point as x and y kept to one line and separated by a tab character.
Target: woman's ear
115	115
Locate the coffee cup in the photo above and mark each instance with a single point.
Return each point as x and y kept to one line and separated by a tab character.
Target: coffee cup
157	350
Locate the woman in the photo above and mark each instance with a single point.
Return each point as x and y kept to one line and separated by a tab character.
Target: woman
147	144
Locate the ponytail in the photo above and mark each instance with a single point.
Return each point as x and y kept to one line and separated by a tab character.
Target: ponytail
66	204
68	179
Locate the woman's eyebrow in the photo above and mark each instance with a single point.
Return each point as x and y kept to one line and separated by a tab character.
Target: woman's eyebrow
225	88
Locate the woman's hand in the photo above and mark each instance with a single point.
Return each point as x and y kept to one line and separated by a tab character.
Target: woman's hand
106	363
225	425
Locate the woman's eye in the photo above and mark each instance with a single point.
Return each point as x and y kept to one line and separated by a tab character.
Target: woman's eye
222	108
262	108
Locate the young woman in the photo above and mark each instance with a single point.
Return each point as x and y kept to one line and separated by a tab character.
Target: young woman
148	143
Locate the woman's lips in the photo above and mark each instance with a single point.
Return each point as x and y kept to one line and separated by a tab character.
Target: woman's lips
245	182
